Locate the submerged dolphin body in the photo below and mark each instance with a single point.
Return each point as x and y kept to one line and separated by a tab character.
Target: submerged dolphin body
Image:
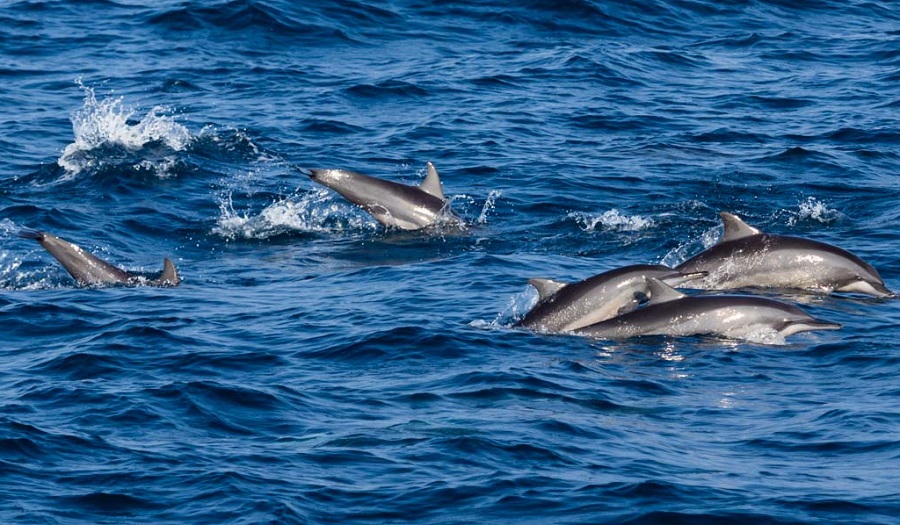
392	204
564	307
88	270
746	257
672	313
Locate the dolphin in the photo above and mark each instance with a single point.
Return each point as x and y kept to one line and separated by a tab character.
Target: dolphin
564	307
670	312
88	270
746	257
393	204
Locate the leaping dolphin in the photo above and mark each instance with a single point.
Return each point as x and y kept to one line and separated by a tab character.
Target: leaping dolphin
746	257
670	312
88	270
393	204
564	307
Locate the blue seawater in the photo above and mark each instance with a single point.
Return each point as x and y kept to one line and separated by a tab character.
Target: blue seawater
315	367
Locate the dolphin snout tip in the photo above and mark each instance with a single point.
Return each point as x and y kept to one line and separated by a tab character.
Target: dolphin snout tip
29	233
305	171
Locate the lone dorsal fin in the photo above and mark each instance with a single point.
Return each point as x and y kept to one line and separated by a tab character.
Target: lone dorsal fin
432	183
169	275
661	292
735	228
546	288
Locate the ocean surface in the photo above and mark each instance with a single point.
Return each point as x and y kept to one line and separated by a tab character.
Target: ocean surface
316	367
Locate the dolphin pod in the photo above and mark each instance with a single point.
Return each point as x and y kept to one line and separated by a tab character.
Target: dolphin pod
89	270
745	257
606	306
565	307
391	203
669	312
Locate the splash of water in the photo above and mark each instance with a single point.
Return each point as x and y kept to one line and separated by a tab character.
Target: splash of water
689	248
814	209
489	206
611	220
313	212
108	122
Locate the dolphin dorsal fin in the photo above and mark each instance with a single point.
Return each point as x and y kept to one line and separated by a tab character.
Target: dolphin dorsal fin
661	292
735	228
432	183
546	288
169	275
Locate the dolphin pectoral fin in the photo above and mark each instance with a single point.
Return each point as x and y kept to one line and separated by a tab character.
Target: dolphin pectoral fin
546	288
735	228
432	183
661	292
169	275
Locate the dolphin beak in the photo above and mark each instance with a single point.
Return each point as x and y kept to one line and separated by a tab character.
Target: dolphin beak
301	169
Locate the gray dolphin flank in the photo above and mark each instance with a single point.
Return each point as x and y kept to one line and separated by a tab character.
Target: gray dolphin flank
672	313
88	270
746	257
391	203
565	307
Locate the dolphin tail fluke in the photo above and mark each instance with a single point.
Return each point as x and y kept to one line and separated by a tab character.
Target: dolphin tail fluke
169	275
28	233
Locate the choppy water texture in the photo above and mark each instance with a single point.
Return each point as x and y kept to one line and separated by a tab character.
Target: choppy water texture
315	368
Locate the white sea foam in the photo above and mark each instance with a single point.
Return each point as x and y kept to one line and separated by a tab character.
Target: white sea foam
108	122
612	220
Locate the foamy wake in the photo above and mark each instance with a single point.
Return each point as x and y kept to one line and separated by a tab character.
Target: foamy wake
313	212
611	220
108	122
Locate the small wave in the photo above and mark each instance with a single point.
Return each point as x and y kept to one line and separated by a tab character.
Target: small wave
109	123
314	212
816	210
612	220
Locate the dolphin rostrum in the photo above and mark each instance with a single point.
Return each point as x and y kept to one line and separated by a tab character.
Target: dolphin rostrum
393	204
564	307
88	270
746	257
669	312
